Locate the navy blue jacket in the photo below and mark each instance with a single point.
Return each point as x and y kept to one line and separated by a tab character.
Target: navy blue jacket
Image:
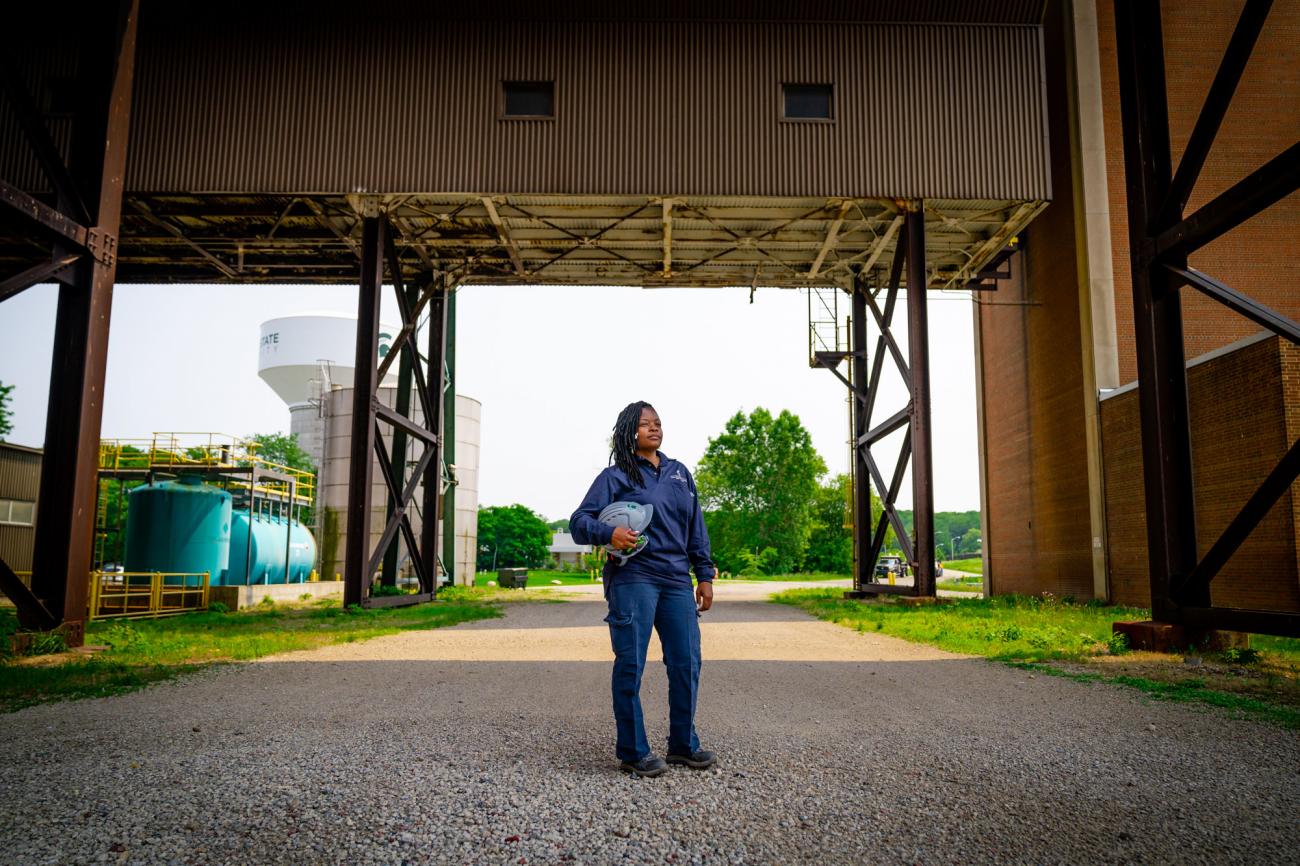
676	538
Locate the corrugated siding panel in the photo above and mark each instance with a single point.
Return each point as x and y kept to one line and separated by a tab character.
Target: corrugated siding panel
684	108
20	474
20	478
16	544
332	104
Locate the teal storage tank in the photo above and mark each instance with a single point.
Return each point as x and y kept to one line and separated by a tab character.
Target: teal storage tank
178	526
268	550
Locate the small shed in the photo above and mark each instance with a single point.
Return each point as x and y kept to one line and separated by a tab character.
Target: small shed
20	478
565	550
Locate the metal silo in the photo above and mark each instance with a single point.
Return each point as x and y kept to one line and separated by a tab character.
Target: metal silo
178	526
469	414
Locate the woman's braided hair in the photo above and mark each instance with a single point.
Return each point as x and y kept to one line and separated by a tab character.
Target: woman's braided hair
623	446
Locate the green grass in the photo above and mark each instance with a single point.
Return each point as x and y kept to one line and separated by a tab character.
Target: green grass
1065	639
972	566
541	577
1003	627
143	651
961	584
810	576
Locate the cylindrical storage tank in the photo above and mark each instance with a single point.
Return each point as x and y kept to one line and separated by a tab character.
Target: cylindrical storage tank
334	477
178	526
469	413
272	537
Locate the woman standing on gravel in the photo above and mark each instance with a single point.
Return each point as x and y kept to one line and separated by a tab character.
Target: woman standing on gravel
648	584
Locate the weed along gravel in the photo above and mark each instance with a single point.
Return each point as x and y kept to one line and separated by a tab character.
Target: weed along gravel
491	742
1051	636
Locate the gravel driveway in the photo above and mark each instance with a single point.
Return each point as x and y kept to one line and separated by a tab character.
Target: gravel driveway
492	742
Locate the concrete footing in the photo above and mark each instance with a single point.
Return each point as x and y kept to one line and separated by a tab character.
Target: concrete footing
235	597
1163	637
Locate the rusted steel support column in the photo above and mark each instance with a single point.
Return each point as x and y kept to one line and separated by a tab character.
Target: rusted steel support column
1157	312
356	579
65	526
863	563
430	510
918	346
388	575
449	442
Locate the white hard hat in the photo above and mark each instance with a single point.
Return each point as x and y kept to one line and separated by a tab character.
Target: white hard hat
635	517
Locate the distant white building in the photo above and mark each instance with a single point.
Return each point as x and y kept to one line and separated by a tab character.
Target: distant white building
564	549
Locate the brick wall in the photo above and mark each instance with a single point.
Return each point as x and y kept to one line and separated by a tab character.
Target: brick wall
1036	524
1258	257
1245	413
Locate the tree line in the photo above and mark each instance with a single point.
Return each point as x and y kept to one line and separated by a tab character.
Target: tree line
770	505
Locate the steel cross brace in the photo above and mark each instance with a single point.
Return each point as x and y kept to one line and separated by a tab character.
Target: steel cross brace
1161	238
378	249
864	385
82	227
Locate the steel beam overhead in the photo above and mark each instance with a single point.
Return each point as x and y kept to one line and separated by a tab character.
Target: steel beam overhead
37	274
668	237
143	209
832	233
69	198
504	234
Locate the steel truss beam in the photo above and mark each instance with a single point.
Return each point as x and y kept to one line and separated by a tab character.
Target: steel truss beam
1160	239
915	416
379	253
82	227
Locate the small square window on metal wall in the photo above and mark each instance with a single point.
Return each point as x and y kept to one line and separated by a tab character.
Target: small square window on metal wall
806	101
524	99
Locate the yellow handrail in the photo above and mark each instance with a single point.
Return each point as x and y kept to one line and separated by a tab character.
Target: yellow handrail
147	593
177	451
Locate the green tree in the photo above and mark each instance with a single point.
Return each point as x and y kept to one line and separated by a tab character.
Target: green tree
511	536
559	525
830	546
6	414
970	542
284	449
757	484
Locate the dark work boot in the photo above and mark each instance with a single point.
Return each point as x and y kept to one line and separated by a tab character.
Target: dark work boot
646	768
700	760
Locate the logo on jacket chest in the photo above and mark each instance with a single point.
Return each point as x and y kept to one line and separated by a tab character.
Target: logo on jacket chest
678	476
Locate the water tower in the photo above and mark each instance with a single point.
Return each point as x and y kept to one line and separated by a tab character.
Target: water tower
302	357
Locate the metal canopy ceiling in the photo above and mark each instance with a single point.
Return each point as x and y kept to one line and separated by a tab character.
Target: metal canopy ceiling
570	240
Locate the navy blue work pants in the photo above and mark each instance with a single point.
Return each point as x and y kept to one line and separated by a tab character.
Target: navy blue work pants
635	608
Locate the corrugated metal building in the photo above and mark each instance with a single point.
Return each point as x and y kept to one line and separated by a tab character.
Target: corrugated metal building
666	150
20	479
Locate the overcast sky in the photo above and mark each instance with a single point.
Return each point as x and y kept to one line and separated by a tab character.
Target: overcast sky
552	366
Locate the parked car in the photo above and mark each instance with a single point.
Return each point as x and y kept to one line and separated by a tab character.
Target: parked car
938	568
888	565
